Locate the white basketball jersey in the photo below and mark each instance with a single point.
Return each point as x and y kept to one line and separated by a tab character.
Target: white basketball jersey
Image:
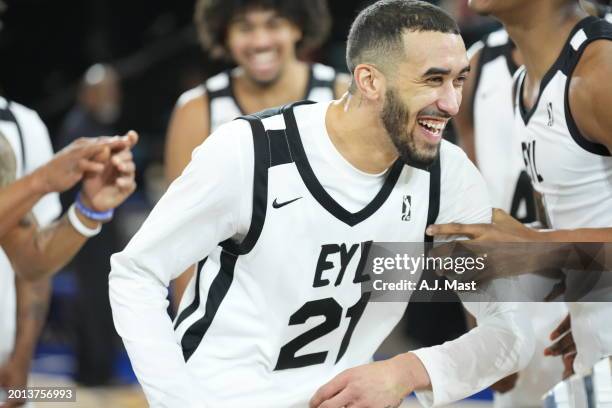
258	315
498	152
572	174
30	142
224	107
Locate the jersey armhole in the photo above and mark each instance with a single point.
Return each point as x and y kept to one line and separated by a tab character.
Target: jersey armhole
591	147
8	115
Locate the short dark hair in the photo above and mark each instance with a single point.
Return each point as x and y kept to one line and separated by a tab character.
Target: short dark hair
212	19
376	33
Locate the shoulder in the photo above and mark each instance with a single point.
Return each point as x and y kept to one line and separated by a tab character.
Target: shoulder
590	92
191	98
594	66
190	116
34	131
25	116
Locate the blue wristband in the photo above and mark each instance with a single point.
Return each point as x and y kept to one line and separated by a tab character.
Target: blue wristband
91	214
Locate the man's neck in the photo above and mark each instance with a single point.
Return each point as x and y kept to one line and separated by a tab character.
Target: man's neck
356	130
539	30
285	82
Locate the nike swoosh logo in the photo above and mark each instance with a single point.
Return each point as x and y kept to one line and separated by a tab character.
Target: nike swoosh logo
276	204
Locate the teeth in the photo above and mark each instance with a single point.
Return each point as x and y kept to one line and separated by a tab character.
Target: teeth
435	127
264	57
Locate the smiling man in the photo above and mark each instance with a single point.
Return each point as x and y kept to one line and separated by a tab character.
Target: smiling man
282	207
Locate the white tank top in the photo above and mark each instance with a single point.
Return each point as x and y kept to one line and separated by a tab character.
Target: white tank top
573	175
498	151
224	107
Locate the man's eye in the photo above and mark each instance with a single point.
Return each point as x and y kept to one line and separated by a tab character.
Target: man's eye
435	80
460	80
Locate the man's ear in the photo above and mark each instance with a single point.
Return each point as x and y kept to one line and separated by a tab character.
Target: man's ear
370	82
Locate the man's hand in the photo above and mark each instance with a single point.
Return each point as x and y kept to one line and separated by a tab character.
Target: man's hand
564	346
505	384
107	189
67	167
379	384
13	375
503	228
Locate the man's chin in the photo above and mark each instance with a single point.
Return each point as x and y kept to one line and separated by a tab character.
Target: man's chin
264	81
421	159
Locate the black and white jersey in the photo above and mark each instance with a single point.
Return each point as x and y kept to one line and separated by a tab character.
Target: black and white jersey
223	105
281	221
572	174
498	152
29	139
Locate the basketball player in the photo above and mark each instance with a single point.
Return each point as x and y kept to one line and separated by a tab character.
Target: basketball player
23	303
563	122
484	126
263	38
280	207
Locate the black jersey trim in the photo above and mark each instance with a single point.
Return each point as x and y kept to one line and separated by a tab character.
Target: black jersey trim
218	289
195	304
231	92
486	55
592	35
433	209
7	115
260	189
558	65
279	147
318	192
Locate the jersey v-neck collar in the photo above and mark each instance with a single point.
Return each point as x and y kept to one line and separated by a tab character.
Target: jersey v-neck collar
525	113
318	191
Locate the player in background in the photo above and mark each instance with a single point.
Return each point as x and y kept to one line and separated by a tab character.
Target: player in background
563	123
484	128
38	246
264	39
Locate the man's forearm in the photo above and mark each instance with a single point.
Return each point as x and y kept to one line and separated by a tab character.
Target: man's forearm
17	199
32	306
38	252
57	244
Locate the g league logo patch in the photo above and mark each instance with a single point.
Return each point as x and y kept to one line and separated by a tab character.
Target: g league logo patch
406	208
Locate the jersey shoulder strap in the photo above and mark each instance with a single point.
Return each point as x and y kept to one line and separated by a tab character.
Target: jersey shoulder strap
7	115
271	148
588	30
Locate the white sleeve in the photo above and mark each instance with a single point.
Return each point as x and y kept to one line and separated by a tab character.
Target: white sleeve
463	193
502	343
201	208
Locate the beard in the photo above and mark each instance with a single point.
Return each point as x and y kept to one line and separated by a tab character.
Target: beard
395	116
